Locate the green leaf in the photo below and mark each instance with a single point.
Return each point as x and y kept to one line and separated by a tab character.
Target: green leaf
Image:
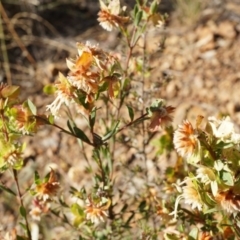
23	226
171	237
138	18
37	179
82	99
77	210
10	91
139	3
49	89
20	238
111	133
153	7
92	117
51	119
32	107
135	11
212	210
70	125
130	113
80	134
103	87
22	211
227	178
193	235
63	203
8	190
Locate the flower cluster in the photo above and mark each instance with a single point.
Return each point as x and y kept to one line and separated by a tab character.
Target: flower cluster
109	15
16	119
96	211
44	193
214	151
93	71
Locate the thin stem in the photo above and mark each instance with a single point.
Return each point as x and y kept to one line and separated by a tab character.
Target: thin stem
15	174
62	129
131	46
133	122
84	154
101	167
143	103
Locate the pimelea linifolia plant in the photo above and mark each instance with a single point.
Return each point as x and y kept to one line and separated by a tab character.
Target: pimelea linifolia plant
198	198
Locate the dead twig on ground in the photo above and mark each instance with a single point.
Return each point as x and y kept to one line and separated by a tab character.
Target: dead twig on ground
15	35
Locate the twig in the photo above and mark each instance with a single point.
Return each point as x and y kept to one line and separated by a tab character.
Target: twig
15	36
133	122
5	53
21	202
43	42
34	16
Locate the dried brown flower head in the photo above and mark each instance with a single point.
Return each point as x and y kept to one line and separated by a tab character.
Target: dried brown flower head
229	201
48	189
161	117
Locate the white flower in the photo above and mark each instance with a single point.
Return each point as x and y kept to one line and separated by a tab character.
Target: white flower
235	138
222	129
219	165
55	106
97	213
109	15
186	140
65	95
190	195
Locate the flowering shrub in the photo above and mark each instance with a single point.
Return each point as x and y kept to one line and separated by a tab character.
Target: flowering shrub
200	193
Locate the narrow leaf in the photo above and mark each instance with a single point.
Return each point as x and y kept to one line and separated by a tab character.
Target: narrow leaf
138	18
92	118
22	211
80	134
63	203
70	126
32	107
36	178
135	11
7	190
153	7
23	226
130	113
111	133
